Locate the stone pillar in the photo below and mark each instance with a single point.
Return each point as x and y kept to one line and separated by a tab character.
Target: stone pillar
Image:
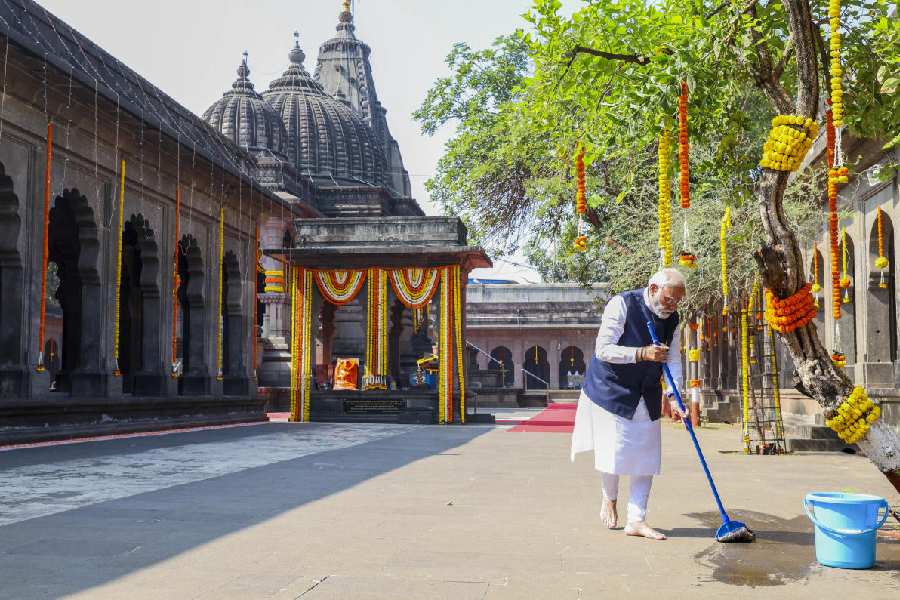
878	369
553	353
518	358
275	367
152	378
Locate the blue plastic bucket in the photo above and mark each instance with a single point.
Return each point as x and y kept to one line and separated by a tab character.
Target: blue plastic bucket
846	526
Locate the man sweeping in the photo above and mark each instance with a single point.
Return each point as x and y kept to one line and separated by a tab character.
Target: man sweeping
620	403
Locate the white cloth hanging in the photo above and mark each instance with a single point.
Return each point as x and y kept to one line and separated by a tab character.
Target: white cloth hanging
621	446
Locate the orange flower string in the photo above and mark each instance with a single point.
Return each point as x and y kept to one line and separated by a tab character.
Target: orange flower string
580	242
684	182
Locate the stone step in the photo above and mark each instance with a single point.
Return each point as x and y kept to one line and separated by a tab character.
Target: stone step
816	445
811	432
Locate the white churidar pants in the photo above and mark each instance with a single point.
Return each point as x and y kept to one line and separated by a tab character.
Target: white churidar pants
638	493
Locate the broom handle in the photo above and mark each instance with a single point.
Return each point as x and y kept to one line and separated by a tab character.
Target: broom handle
689	426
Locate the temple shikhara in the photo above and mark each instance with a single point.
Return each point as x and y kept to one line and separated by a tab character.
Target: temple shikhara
159	268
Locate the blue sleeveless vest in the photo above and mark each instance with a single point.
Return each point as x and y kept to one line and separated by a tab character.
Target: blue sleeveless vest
619	388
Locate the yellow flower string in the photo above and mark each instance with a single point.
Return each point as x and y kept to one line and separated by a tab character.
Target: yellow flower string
837	92
295	350
853	417
789	140
458	333
580	242
665	193
117	323
723	254
845	277
881	263
745	380
219	373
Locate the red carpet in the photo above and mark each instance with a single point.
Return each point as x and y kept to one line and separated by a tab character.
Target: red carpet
556	418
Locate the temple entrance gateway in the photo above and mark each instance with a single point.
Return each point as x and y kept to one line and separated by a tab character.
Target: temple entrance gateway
503	356
346	263
537	369
571	368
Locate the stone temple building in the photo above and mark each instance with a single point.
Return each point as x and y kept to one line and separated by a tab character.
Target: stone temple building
81	133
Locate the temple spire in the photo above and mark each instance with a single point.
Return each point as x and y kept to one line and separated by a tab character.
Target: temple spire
346	18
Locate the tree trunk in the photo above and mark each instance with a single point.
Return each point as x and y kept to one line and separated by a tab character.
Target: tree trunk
781	265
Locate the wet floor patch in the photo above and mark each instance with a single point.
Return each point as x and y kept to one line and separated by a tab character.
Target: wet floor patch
784	551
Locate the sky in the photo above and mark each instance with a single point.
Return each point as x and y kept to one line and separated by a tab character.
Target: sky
191	49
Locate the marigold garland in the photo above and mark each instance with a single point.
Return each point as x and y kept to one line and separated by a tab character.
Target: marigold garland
340	287
745	380
665	192
836	176
375	377
845	277
816	287
684	181
48	183
445	361
301	343
274	282
580	242
791	313
837	92
220	375
176	282
839	359
789	140
118	316
414	287
881	263
456	281
723	255
853	417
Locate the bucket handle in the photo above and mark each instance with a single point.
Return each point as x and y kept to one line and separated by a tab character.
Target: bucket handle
812	517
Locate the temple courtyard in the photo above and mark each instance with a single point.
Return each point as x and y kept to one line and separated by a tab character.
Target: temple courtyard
353	511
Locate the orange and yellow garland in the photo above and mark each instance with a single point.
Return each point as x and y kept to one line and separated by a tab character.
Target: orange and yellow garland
176	282
837	92
118	315
881	263
456	279
789	140
723	256
48	182
684	181
301	343
220	375
414	287
664	209
791	313
340	287
580	242
845	278
375	377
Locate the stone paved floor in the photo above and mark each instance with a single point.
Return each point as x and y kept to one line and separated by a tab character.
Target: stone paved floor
347	511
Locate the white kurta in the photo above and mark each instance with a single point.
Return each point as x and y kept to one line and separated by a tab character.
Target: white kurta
621	446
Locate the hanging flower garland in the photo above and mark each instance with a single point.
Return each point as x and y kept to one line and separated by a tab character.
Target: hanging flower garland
723	256
791	313
789	140
745	380
254	349
845	277
836	176
456	282
48	182
665	193
301	343
881	263
119	232
375	377
176	283
414	287
816	286
854	416
220	375
340	287
445	358
580	242
837	92
684	169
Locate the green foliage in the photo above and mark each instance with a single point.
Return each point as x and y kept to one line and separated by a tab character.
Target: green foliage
608	77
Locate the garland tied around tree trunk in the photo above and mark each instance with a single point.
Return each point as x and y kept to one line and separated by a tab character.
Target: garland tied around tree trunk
789	140
791	313
853	417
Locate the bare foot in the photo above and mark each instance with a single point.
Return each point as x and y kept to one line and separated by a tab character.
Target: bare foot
641	529
608	514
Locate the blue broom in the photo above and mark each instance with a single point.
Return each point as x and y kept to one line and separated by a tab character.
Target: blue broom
730	531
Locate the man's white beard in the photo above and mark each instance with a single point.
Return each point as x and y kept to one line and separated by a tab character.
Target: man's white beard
658	309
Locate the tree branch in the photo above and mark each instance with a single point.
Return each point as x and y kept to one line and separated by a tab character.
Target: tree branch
632	58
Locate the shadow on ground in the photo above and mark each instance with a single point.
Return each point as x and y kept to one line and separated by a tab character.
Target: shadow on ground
780	555
64	553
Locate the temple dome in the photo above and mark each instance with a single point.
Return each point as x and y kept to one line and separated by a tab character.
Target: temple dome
326	138
244	117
